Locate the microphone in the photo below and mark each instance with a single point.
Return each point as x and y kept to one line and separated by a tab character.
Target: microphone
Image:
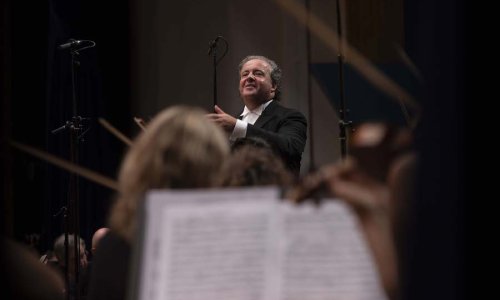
72	44
212	44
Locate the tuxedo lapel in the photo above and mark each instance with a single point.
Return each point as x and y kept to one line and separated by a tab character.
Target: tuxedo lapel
266	115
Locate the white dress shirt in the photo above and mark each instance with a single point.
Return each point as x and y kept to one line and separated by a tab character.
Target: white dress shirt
248	117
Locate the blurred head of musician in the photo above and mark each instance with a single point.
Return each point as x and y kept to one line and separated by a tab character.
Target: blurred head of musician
254	163
180	149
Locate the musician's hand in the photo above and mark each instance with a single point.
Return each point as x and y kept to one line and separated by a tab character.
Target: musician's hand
225	121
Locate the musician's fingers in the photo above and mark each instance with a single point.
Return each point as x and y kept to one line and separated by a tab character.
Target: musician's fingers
212	116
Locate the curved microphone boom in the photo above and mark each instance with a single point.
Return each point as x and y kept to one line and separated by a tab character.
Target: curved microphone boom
212	44
212	49
76	45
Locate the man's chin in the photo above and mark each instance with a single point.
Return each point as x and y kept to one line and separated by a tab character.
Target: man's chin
248	94
249	91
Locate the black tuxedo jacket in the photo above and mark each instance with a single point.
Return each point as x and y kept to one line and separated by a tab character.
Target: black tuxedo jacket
285	129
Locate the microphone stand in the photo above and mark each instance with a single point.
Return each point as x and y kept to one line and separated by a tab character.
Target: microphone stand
312	163
64	211
75	127
212	49
343	124
75	191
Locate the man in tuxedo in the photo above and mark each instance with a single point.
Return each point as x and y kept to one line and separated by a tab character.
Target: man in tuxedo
263	116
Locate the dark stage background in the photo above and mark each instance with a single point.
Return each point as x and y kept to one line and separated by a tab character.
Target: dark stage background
41	100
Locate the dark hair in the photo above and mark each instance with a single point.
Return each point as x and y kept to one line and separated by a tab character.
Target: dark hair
60	249
275	72
250	141
253	163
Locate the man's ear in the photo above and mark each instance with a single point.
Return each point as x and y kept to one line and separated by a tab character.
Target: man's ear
273	88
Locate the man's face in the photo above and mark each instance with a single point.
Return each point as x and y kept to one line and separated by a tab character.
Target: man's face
255	81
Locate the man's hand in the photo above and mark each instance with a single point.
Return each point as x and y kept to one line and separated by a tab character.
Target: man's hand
225	121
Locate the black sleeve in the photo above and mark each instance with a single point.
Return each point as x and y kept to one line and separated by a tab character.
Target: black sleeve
289	138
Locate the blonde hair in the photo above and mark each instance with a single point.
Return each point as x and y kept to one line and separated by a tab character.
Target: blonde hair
180	148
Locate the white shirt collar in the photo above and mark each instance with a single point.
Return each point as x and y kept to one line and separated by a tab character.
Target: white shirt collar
258	111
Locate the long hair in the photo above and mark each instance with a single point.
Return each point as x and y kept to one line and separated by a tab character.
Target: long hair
180	148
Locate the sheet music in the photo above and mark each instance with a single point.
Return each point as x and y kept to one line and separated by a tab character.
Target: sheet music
210	245
324	255
247	244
